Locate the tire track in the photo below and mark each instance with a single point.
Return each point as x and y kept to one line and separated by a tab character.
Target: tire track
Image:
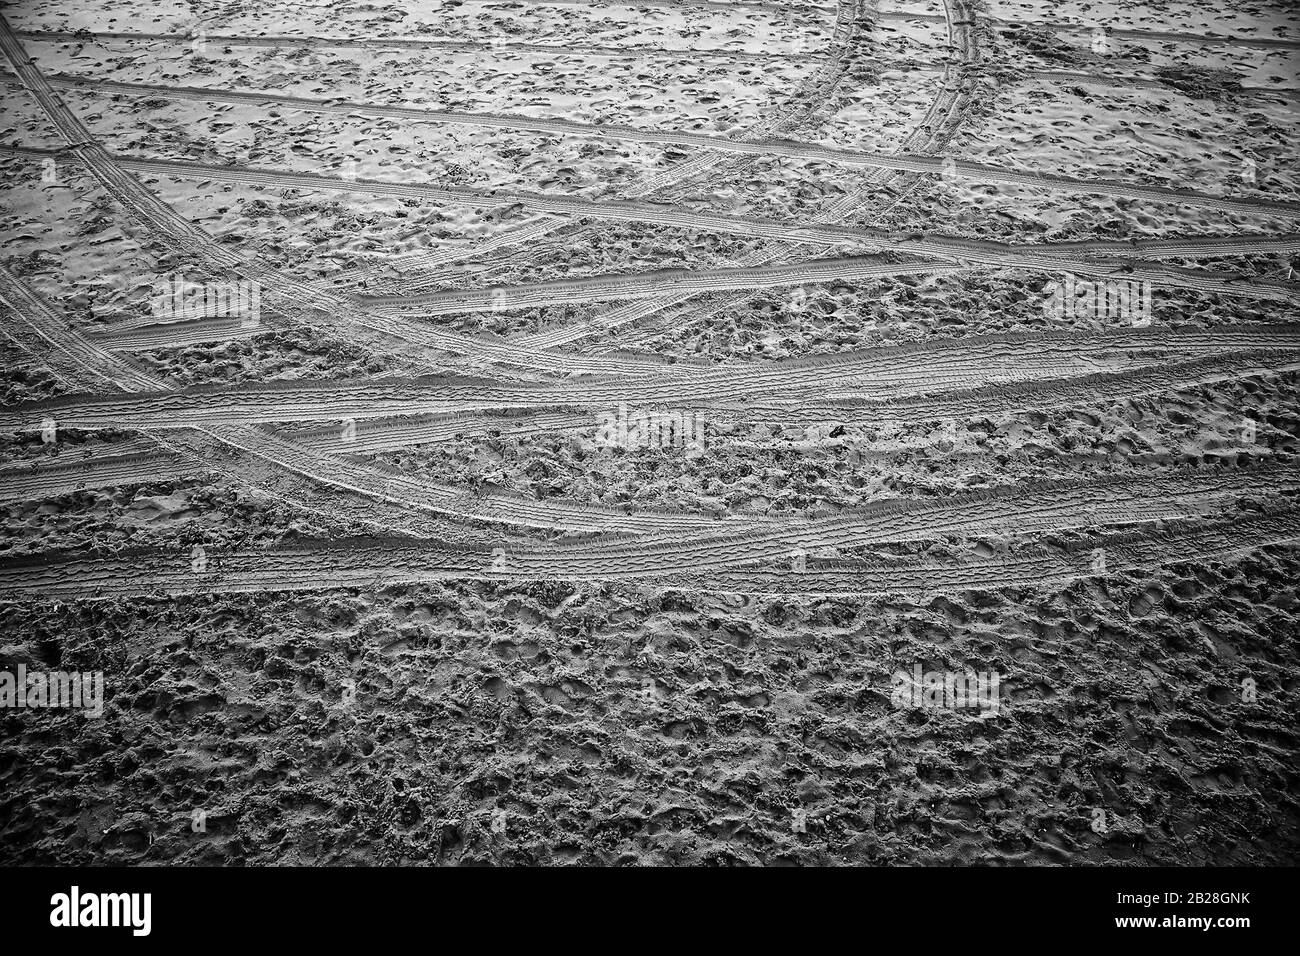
640	285
1034	568
624	51
941	119
394	325
657	526
366	563
1131	33
346	476
922	368
1034	257
304	301
28	482
1130	81
259	460
508	238
95	370
73	361
235	571
907	161
382	434
796	110
930	135
145	335
904	161
1101	388
1163	36
1018	509
400	488
689	283
50	479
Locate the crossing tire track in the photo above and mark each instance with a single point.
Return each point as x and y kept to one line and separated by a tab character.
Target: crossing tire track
921	368
367	564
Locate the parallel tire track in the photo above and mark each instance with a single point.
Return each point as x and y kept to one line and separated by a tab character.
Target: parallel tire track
87	367
73	360
348	476
1036	257
894	372
232	450
368	564
1035	568
49	479
1019	509
309	303
936	128
622	51
39	479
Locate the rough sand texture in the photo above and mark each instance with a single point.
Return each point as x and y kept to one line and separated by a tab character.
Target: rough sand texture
626	400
